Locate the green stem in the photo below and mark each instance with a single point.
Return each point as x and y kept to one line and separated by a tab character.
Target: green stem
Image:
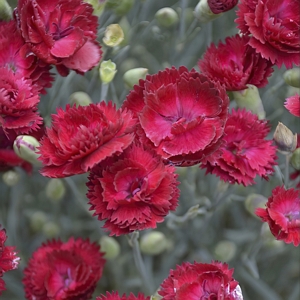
286	171
104	90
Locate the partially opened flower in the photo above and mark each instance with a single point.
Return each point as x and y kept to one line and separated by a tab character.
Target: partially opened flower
182	114
273	27
246	153
63	271
116	296
235	64
201	281
134	191
83	136
220	6
8	258
292	104
282	214
60	32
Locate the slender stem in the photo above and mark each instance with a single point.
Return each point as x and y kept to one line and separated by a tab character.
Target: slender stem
104	90
286	170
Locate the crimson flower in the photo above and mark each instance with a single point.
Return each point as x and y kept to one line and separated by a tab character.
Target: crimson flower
133	191
8	258
83	136
115	296
63	271
245	153
273	27
60	32
235	64
292	104
201	281
181	114
220	6
14	57
283	214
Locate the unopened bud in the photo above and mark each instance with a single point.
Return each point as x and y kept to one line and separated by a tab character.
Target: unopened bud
5	11
110	247
284	139
166	17
132	77
254	201
107	71
250	99
37	220
220	6
120	7
113	35
153	243
55	189
11	177
203	12
292	77
25	146
225	250
80	99
295	159
51	230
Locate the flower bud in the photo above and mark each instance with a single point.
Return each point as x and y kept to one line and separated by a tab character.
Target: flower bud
51	230
25	146
55	189
120	7
153	243
295	159
113	35
284	139
11	177
220	6
250	99
225	250
110	247
80	98
132	77
37	220
203	12
5	11
107	71
254	201
166	17
292	77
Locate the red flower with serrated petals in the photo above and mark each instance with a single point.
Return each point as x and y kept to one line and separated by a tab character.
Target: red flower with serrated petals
246	153
133	191
273	27
235	64
60	32
220	6
181	114
201	281
83	136
8	258
292	104
116	296
63	271
283	214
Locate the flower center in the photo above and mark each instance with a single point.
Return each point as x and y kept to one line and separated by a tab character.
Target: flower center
135	187
59	34
293	215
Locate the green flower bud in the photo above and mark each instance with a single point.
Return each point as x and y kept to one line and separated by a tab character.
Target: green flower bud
120	7
292	77
153	243
166	17
98	6
11	178
250	99
107	71
37	220
132	77
254	201
110	247
113	35
203	12
80	98
225	250
55	189
25	146
51	230
284	139
295	159
5	11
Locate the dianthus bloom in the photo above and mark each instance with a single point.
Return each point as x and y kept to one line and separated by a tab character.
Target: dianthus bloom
220	6
235	64
292	104
181	114
63	271
283	214
8	258
60	32
245	153
133	192
83	136
273	27
201	281
115	296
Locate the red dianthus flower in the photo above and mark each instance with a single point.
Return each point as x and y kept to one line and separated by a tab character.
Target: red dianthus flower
220	6
283	214
60	32
63	271
201	281
235	64
133	192
274	29
292	104
182	114
245	153
83	136
116	296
